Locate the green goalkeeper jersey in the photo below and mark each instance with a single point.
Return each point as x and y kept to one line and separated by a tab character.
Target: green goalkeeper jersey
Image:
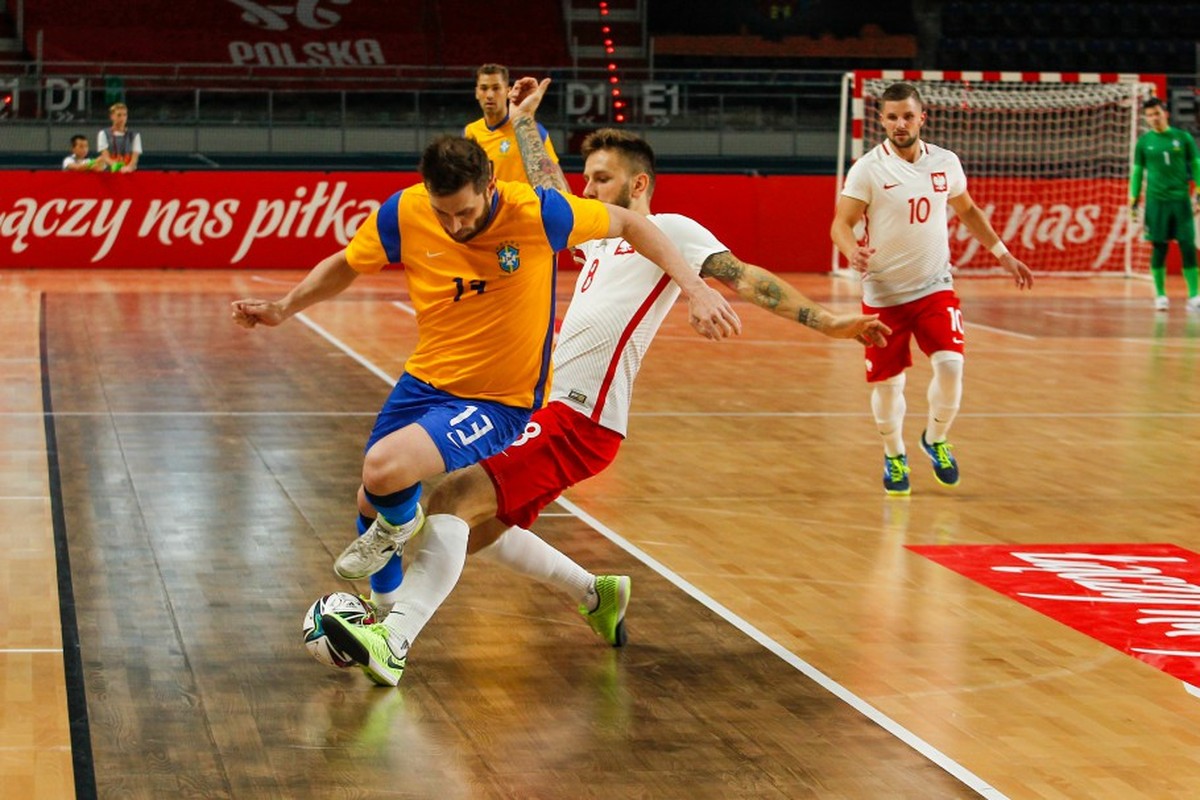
1167	158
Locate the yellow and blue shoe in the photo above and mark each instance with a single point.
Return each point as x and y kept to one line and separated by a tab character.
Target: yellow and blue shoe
895	475
945	468
367	646
608	619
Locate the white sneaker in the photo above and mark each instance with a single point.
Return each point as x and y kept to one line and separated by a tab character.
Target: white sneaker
1162	303
1193	304
370	552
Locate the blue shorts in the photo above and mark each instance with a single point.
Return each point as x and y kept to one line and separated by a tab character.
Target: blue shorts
465	431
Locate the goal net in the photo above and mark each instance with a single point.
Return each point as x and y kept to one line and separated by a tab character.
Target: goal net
1047	158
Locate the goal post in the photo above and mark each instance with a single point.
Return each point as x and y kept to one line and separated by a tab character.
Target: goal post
1047	157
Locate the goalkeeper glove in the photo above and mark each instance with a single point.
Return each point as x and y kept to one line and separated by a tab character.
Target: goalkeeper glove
1134	213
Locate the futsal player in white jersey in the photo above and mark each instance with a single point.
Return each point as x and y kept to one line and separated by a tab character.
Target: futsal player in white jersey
901	189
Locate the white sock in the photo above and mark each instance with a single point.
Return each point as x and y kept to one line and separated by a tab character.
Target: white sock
945	394
888	406
523	551
433	562
384	602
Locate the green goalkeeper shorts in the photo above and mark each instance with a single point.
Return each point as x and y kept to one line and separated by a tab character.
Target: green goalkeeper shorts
1170	219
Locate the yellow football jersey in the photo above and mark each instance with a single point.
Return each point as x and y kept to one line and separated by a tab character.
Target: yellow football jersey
500	144
485	307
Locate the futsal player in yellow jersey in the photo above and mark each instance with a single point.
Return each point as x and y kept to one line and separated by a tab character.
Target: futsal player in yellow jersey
480	260
494	131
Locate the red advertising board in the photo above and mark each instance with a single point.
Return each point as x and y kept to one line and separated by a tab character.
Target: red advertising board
1142	599
265	220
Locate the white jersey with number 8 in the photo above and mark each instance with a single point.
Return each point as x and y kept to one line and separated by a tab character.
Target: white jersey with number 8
620	300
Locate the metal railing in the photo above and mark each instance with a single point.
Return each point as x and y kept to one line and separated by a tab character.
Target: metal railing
222	109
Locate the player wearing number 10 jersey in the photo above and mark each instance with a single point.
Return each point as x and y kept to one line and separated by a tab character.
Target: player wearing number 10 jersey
901	190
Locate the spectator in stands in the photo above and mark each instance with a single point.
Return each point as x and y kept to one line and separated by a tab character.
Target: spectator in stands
1166	155
119	147
494	131
78	160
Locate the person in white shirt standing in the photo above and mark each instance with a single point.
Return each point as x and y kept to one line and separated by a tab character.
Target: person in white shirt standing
119	147
901	189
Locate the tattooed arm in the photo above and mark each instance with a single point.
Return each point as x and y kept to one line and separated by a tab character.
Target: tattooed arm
541	170
767	290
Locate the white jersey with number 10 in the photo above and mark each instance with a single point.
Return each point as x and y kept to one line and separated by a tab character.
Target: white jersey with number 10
906	220
620	300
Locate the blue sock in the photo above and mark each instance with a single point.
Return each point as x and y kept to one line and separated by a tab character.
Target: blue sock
398	507
388	578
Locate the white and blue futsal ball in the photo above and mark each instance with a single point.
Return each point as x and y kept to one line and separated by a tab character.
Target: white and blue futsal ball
346	606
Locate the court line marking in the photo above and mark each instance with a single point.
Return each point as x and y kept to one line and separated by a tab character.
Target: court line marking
340	345
6	650
965	776
1000	331
869	711
189	414
712	414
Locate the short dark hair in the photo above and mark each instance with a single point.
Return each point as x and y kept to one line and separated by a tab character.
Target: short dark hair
899	92
1154	102
492	69
77	137
636	151
451	162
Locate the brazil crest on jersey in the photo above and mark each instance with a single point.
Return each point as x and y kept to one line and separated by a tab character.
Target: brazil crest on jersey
485	307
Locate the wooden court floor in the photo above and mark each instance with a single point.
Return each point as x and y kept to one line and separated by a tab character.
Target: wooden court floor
174	490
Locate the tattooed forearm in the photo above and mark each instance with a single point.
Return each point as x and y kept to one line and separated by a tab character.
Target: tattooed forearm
765	289
767	293
539	167
724	267
809	317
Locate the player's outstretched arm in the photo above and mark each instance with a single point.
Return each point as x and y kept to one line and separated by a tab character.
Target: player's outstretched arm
327	279
977	223
523	101
709	312
767	290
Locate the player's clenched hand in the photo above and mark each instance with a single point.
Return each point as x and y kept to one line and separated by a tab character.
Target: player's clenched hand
862	255
866	328
526	95
711	315
249	313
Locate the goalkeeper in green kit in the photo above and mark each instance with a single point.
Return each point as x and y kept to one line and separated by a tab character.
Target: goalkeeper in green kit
1167	155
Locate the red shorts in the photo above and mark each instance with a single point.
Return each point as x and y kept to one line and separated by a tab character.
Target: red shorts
559	448
935	321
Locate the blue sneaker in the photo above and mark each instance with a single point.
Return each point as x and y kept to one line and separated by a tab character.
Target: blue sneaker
895	475
945	468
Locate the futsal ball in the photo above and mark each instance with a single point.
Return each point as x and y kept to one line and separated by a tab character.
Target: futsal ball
345	605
